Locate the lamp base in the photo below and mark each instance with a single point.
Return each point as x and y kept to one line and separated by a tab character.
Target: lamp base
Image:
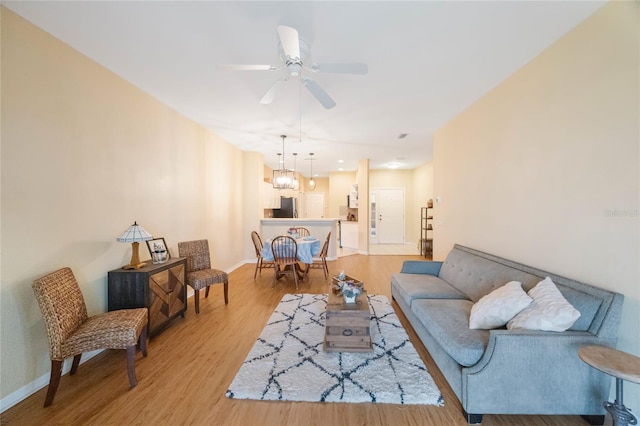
136	266
135	258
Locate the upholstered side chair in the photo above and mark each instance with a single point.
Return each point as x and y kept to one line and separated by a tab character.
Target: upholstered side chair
285	258
71	332
260	261
321	263
199	272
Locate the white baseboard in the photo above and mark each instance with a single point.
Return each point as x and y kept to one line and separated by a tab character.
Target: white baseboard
39	383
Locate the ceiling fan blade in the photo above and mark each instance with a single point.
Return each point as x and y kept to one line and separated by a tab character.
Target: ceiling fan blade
290	41
349	68
319	93
235	67
268	97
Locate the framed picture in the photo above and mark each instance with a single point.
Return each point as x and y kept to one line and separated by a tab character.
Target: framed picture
158	249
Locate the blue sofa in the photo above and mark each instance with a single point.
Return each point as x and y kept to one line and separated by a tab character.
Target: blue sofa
504	371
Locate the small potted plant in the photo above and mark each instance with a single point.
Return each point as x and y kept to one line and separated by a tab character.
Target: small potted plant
350	290
293	233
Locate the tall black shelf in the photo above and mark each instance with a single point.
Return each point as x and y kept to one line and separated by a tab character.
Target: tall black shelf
426	231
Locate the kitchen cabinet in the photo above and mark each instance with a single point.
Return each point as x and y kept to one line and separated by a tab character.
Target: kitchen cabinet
270	196
349	234
353	197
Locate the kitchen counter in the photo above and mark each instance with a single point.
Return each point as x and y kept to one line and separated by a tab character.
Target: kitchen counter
319	228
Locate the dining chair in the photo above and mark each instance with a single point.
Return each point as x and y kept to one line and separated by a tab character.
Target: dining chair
302	232
285	258
260	262
71	331
321	263
199	272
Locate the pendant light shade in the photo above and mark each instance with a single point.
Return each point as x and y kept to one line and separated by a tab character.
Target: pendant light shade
296	182
283	178
312	181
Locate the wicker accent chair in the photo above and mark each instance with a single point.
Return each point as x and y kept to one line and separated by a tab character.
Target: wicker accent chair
303	232
71	332
285	258
199	272
260	262
321	263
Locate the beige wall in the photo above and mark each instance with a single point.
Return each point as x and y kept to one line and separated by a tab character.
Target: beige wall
418	186
84	154
421	191
544	168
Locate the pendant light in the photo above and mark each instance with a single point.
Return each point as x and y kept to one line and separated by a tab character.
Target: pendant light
312	181
282	178
296	183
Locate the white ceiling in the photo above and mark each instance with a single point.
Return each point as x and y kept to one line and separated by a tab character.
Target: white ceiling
427	62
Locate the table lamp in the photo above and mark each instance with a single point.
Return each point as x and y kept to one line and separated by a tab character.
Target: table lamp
134	234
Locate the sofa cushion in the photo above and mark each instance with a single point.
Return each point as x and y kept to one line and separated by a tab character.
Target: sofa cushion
498	307
423	286
476	276
587	304
447	320
549	311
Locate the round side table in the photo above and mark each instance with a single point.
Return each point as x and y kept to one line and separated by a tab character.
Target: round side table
622	366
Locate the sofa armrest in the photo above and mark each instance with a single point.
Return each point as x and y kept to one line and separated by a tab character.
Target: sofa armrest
535	372
428	267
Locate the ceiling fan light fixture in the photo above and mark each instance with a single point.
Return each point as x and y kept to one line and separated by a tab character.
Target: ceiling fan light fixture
294	69
293	53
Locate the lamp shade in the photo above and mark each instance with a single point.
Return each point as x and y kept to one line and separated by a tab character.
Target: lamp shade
134	234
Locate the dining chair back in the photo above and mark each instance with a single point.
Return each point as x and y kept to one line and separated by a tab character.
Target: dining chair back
260	261
200	274
302	232
321	263
285	258
71	331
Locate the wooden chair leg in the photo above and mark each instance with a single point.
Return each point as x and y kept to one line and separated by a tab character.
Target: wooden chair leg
196	297
54	381
206	292
325	267
143	341
131	365
275	274
255	273
226	293
295	275
76	363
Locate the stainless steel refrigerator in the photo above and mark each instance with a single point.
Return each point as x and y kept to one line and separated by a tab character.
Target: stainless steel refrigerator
288	208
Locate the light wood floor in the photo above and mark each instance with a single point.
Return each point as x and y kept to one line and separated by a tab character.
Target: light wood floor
191	363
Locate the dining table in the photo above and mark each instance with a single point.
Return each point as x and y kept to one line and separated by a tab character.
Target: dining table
308	248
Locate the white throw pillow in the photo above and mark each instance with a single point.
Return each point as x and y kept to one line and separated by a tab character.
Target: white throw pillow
499	306
549	311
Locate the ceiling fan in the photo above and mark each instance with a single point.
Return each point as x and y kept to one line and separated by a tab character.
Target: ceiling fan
293	53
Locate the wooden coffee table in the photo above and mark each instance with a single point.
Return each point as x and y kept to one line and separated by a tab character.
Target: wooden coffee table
347	325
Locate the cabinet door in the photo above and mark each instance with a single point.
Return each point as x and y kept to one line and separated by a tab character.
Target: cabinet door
167	295
270	196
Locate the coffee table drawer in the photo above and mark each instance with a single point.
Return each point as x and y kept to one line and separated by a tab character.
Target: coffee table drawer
339	343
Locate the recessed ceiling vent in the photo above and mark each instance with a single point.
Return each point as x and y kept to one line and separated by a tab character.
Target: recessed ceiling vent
402	135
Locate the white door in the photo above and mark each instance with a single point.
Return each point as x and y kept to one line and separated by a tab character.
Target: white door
314	203
390	205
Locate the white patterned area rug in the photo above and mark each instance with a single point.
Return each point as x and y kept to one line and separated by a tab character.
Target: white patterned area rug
287	362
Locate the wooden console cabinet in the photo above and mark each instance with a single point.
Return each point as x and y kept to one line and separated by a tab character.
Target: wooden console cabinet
162	288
